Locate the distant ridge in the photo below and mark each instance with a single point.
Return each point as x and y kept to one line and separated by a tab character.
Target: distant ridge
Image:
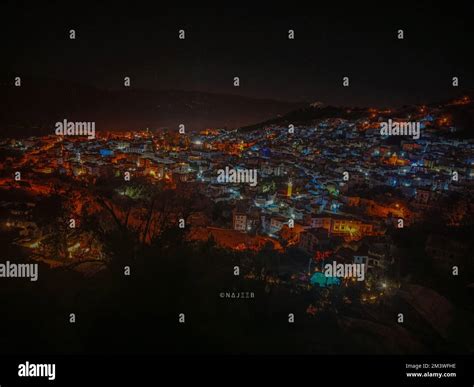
461	114
33	108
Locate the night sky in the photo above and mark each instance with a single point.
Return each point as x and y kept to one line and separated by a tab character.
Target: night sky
330	42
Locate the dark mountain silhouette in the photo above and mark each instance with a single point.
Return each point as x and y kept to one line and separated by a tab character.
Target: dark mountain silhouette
310	113
38	104
460	114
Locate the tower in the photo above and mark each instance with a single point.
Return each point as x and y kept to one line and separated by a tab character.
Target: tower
289	190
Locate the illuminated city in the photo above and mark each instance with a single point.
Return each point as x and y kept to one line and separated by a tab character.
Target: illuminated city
335	192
